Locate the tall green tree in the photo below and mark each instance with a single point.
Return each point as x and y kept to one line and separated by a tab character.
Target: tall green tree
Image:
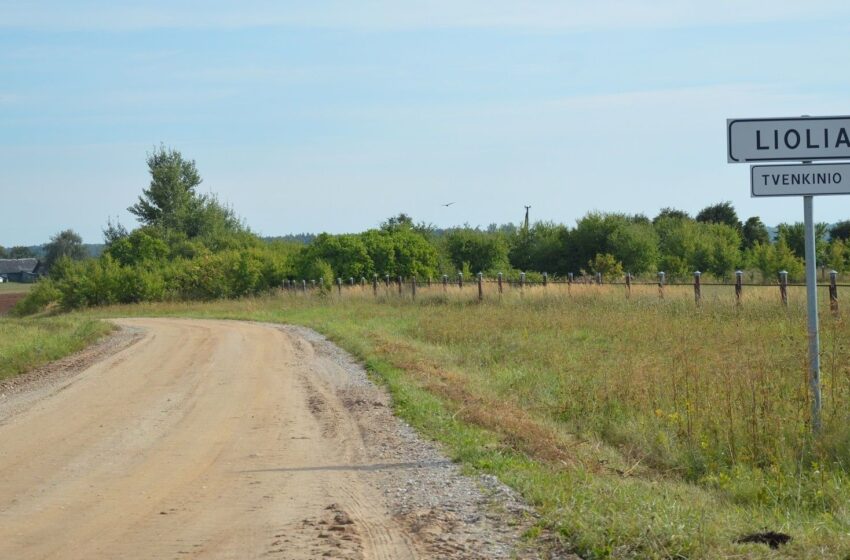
630	239
591	236
770	258
840	230
836	255
67	243
171	195
720	213
687	246
754	231
635	245
171	203
476	249
20	252
346	255
542	247
794	235
671	213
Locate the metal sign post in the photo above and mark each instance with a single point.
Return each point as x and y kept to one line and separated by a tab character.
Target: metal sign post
802	139
812	307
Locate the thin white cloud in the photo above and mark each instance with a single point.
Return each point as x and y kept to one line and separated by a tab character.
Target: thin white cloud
544	15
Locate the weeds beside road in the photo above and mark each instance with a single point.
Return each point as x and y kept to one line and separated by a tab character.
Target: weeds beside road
28	343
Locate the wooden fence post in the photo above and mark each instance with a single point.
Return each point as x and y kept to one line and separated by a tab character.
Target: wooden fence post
303	285
480	286
599	278
521	281
697	288
628	285
783	287
460	279
399	281
429	281
313	282
833	291
545	279
351	281
445	282
339	286
387	280
413	288
739	286
661	276
500	283
375	285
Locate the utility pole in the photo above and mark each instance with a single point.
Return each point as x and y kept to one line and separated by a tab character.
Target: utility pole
526	217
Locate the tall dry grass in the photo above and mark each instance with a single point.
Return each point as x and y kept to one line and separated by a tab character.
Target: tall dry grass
716	393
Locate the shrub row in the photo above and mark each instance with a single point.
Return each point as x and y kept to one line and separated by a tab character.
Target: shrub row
228	274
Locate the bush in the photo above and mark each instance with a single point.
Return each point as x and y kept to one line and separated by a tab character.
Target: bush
41	296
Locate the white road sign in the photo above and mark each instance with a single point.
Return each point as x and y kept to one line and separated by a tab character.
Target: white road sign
788	139
802	179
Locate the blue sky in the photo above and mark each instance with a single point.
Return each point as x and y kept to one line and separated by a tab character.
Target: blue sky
333	116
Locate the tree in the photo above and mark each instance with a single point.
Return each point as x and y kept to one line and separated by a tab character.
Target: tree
718	249
414	254
770	258
171	195
794	236
346	255
520	246
721	213
840	230
479	251
113	232
542	247
591	236
635	246
671	213
836	255
3	253
66	243
171	204
143	245
395	223
755	231
20	252
631	240
687	246
606	265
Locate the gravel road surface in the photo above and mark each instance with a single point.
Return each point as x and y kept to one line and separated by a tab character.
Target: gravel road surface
224	439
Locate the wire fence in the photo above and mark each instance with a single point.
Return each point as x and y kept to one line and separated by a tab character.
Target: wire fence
483	287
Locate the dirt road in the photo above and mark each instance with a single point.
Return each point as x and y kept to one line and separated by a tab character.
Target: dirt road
215	439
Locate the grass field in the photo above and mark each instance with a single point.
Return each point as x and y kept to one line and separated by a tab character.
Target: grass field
29	343
14	288
640	428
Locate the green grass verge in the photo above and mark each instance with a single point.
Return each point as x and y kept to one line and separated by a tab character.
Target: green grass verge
639	429
28	343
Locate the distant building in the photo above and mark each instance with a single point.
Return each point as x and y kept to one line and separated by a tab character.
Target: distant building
20	270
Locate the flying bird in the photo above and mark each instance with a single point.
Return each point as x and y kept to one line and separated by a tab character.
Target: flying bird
449	204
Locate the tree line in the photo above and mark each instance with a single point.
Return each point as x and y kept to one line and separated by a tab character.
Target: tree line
188	245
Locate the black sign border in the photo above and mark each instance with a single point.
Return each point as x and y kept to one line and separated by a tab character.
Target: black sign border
813	166
730	122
